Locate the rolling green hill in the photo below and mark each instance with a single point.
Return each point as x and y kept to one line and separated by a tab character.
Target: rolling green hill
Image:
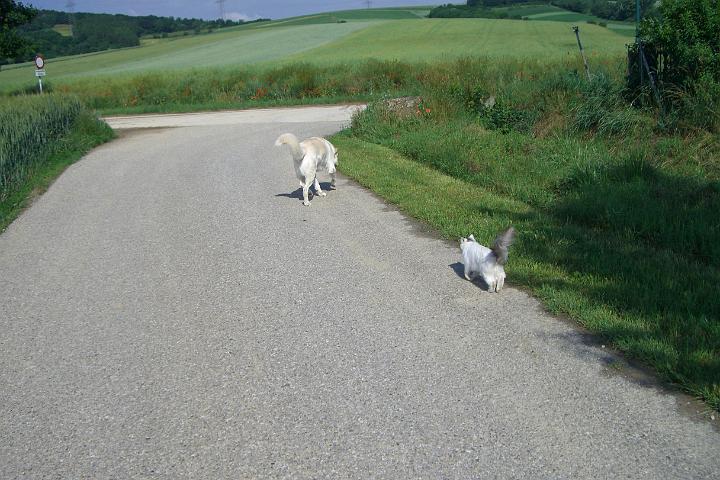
337	37
226	48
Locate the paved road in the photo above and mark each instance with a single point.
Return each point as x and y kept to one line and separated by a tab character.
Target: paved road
170	310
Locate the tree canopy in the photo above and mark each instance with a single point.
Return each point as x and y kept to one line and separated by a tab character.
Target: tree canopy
12	15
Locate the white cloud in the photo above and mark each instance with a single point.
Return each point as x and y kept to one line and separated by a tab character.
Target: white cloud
236	16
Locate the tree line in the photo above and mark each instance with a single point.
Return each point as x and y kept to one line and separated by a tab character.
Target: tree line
618	10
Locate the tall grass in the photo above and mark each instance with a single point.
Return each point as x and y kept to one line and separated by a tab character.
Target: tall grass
28	127
239	87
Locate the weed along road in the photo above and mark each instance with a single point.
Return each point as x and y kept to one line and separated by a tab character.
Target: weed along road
170	309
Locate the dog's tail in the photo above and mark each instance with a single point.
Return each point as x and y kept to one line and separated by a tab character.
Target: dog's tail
291	141
502	242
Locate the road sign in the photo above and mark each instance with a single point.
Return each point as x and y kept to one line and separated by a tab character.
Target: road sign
39	69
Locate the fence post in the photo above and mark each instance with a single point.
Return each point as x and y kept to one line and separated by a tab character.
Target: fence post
582	52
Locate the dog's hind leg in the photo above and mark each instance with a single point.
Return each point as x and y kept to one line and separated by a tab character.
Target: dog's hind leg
306	190
318	190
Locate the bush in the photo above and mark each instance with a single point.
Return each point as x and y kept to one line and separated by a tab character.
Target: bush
683	48
688	37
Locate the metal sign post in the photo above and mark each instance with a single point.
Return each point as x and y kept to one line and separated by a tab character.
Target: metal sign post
39	69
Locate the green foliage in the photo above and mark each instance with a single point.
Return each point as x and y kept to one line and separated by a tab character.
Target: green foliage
12	15
688	35
683	47
608	9
462	11
619	10
29	125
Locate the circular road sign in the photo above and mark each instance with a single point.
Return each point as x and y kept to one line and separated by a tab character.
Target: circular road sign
39	62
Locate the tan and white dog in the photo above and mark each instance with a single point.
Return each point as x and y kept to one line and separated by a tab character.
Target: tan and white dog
310	156
488	262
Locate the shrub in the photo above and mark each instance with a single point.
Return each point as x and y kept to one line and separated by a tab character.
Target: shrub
683	48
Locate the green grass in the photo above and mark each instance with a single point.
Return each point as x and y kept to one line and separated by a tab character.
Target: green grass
85	132
251	87
566	17
618	222
319	39
63	29
563	266
225	48
28	125
390	13
434	39
530	10
382	14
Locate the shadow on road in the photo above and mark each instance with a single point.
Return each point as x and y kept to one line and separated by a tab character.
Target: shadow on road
459	269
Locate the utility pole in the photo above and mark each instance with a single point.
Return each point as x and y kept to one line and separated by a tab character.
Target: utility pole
70	5
638	45
221	4
368	3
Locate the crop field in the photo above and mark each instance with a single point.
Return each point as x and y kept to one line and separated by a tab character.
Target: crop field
389	33
397	13
430	39
219	49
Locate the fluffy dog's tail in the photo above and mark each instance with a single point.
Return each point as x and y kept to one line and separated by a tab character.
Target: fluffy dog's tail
291	141
502	242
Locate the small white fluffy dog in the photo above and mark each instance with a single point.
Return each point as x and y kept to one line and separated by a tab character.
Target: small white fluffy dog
488	262
309	156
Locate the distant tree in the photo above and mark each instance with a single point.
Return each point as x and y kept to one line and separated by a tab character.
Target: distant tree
12	15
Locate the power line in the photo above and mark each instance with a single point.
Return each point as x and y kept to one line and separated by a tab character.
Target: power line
221	4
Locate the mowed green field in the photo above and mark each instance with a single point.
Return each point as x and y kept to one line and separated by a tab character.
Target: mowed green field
396	13
431	39
366	34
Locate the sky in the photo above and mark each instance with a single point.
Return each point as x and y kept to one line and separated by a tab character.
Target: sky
209	9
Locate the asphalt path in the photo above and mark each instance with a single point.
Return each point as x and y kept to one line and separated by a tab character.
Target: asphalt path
169	309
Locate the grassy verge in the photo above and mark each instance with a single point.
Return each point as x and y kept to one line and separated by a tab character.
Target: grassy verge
85	133
617	215
668	322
